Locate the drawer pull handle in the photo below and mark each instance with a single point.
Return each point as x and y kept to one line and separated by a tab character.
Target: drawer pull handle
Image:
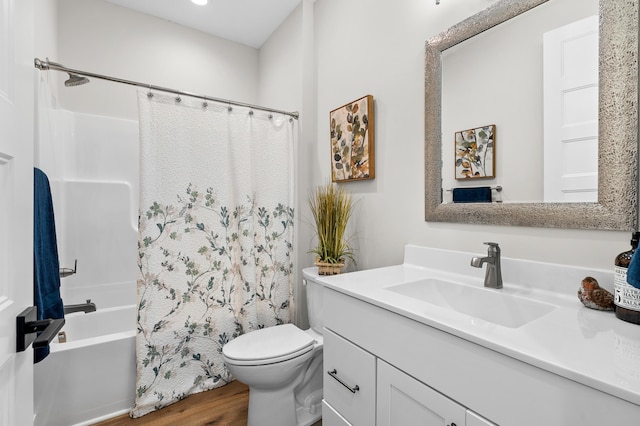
333	373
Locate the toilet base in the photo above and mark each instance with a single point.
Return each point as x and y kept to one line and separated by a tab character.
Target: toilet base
299	403
278	405
282	409
311	411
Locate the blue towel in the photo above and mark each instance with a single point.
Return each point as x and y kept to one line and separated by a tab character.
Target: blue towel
46	267
633	273
480	194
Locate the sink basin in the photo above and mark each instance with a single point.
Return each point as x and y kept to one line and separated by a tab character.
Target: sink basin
487	304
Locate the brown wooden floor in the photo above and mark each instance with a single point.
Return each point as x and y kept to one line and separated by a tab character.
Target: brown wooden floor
225	406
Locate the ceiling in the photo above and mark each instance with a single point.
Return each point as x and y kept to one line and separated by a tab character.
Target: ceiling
249	22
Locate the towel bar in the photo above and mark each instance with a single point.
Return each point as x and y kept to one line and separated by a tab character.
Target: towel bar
496	188
27	326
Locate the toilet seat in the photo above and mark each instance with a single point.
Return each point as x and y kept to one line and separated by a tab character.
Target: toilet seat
268	346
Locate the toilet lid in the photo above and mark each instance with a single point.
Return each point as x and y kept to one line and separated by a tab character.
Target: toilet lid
269	343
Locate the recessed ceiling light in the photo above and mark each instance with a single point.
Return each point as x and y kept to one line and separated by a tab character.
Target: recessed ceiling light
200	2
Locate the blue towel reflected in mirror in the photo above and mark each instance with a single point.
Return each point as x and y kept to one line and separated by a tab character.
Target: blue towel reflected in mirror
480	194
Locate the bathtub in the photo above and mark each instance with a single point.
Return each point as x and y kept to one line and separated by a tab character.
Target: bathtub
91	377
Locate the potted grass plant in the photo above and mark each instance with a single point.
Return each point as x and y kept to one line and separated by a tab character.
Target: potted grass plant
331	207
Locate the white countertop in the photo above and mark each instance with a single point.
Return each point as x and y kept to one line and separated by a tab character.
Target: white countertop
585	345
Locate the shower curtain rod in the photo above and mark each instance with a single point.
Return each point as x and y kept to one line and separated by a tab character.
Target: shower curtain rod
47	65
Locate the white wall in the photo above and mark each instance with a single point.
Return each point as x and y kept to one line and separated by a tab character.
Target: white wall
103	38
46	29
287	80
377	47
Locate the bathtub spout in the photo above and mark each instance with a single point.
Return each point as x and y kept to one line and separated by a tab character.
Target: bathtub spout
81	307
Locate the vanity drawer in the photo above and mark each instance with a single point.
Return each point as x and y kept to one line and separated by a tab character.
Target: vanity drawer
331	417
349	380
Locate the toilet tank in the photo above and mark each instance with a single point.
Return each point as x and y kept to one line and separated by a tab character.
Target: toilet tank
315	298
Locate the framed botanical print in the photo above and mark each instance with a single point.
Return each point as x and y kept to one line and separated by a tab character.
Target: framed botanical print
352	141
475	153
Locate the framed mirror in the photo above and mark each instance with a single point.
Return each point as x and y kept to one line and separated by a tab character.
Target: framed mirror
616	207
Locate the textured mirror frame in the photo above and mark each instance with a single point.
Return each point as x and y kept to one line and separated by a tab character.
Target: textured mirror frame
617	206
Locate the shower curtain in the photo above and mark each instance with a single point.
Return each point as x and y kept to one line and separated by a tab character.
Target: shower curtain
215	239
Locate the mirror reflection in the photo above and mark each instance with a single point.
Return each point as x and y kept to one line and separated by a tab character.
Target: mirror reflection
535	78
616	207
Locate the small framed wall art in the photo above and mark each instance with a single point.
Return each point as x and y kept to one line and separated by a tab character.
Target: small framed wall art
352	141
475	153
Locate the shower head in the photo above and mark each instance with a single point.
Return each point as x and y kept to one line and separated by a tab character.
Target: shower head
75	80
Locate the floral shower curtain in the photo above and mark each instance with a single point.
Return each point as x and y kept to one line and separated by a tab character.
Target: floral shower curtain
215	239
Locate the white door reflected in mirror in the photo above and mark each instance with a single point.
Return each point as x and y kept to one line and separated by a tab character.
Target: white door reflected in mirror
571	112
499	76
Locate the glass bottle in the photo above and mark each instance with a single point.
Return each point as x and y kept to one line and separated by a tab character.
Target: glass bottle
626	297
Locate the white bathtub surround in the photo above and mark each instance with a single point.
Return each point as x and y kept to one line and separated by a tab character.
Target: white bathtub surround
95	367
561	355
92	162
215	239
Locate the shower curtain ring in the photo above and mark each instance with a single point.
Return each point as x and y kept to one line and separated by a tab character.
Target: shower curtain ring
229	107
149	94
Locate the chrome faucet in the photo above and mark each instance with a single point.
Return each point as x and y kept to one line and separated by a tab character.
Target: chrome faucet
80	307
493	276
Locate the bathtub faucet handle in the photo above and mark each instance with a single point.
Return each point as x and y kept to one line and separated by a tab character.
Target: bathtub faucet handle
65	272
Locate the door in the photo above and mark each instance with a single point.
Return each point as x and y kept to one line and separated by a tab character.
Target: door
402	400
571	112
16	206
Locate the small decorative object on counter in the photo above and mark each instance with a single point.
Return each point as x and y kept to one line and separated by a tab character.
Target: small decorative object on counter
595	297
626	298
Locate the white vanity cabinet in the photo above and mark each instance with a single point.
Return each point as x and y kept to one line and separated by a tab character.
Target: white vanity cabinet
407	371
361	389
402	400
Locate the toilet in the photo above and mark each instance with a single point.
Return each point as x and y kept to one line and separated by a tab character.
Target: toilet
282	365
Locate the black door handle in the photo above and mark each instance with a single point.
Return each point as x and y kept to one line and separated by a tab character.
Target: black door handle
27	326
